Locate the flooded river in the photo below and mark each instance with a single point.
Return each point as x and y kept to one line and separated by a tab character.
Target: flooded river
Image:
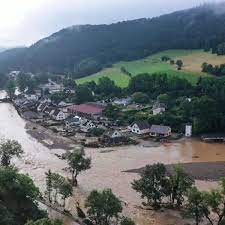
107	168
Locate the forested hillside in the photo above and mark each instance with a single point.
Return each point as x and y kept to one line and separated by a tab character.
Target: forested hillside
83	50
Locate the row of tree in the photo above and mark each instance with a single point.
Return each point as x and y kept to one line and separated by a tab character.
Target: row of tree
19	196
175	188
215	70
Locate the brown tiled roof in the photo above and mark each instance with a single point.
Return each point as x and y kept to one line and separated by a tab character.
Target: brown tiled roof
88	108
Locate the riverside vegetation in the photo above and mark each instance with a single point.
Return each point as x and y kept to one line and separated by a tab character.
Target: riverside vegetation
20	197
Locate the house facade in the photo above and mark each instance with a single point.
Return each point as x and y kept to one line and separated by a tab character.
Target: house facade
58	115
140	127
160	131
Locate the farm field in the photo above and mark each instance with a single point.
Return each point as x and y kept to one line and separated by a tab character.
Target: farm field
191	70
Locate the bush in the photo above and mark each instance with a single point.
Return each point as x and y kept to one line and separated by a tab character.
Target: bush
97	132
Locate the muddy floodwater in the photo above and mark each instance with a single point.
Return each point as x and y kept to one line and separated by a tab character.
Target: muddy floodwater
107	167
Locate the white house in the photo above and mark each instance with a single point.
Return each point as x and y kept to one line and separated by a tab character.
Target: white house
114	134
158	108
140	127
58	115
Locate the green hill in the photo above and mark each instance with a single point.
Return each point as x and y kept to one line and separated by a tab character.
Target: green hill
153	64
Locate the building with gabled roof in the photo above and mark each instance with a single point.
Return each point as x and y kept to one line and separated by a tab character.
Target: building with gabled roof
140	127
87	110
160	131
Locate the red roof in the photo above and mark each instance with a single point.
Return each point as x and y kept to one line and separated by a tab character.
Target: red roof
87	108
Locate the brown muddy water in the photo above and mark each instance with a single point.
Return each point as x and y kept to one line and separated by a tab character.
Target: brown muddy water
106	171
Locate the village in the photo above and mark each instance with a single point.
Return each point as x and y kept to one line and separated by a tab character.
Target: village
87	123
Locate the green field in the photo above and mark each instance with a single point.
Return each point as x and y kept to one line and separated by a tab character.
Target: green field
153	64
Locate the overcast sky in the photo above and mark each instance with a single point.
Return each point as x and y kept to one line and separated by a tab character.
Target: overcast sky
23	22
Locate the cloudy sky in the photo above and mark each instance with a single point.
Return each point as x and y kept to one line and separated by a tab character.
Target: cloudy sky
25	21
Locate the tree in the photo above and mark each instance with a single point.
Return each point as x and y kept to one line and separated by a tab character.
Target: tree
107	87
165	58
221	49
22	81
215	202
179	64
45	222
49	185
127	221
209	205
97	132
77	163
112	111
10	88
83	94
66	190
195	206
180	182
6	217
9	149
19	196
152	184
172	62
59	186
103	207
140	97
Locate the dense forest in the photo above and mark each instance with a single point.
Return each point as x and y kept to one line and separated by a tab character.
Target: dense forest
82	50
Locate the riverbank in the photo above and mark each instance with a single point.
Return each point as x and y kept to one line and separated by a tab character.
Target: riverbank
204	171
47	137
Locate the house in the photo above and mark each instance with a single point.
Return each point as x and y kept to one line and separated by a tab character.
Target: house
49	110
58	115
85	127
140	127
123	101
19	101
114	136
73	121
62	104
51	86
158	108
160	131
42	106
32	97
88	110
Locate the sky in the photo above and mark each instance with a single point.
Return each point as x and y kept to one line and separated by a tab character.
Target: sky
24	22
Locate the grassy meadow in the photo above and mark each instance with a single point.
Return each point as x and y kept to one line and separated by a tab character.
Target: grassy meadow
191	70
